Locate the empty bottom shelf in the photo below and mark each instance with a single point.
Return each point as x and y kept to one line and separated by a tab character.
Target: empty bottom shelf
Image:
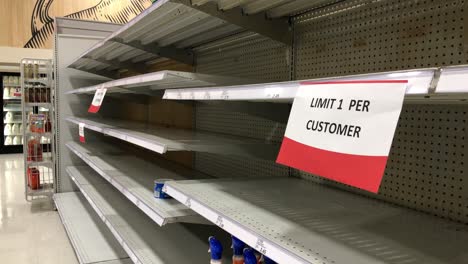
92	241
143	240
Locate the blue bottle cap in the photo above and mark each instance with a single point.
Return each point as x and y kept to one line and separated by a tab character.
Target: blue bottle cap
249	256
237	246
216	249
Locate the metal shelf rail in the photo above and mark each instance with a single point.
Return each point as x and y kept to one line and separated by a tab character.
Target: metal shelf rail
440	85
87	233
330	226
141	239
134	178
163	139
169	29
146	83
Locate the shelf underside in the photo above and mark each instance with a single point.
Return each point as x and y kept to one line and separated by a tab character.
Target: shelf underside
134	178
295	221
148	83
142	239
170	29
162	139
90	238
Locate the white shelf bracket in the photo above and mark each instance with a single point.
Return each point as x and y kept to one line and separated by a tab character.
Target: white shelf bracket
120	64
180	55
276	29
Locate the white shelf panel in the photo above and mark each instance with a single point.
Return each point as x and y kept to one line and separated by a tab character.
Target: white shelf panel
162	139
169	29
142	239
419	83
134	178
92	242
296	221
146	83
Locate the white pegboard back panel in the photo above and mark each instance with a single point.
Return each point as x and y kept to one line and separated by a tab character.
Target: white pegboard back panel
361	36
247	56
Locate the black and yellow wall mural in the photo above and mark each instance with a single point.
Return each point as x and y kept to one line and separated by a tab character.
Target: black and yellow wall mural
29	23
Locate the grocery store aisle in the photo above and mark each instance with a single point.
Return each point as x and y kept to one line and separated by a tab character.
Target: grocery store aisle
30	233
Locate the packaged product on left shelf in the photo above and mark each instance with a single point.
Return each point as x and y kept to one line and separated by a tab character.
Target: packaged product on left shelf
216	250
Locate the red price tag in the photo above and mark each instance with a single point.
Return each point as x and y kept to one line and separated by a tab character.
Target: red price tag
81	127
97	100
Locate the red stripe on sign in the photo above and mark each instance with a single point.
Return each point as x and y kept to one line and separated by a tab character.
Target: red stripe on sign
82	139
363	172
354	82
93	109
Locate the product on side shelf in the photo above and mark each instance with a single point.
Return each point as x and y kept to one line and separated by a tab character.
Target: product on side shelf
34	150
15	129
216	250
7	129
8	140
34	178
9	116
17	140
250	257
39	123
158	186
6	92
238	251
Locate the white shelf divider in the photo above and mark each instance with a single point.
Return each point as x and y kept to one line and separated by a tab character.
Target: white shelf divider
141	238
146	83
134	178
92	242
296	221
162	139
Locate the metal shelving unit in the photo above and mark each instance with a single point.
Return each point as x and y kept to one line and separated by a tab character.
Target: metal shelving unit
92	242
134	178
142	240
294	221
147	83
162	139
169	29
291	220
37	109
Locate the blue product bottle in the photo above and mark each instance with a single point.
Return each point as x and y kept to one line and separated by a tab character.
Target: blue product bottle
267	260
249	256
238	250
216	250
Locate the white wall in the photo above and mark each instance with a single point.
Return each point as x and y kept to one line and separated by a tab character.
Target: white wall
10	57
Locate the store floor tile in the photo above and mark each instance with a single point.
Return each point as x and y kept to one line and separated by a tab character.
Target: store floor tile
30	233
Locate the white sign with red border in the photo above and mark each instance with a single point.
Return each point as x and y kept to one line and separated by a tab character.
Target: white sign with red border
343	131
97	100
